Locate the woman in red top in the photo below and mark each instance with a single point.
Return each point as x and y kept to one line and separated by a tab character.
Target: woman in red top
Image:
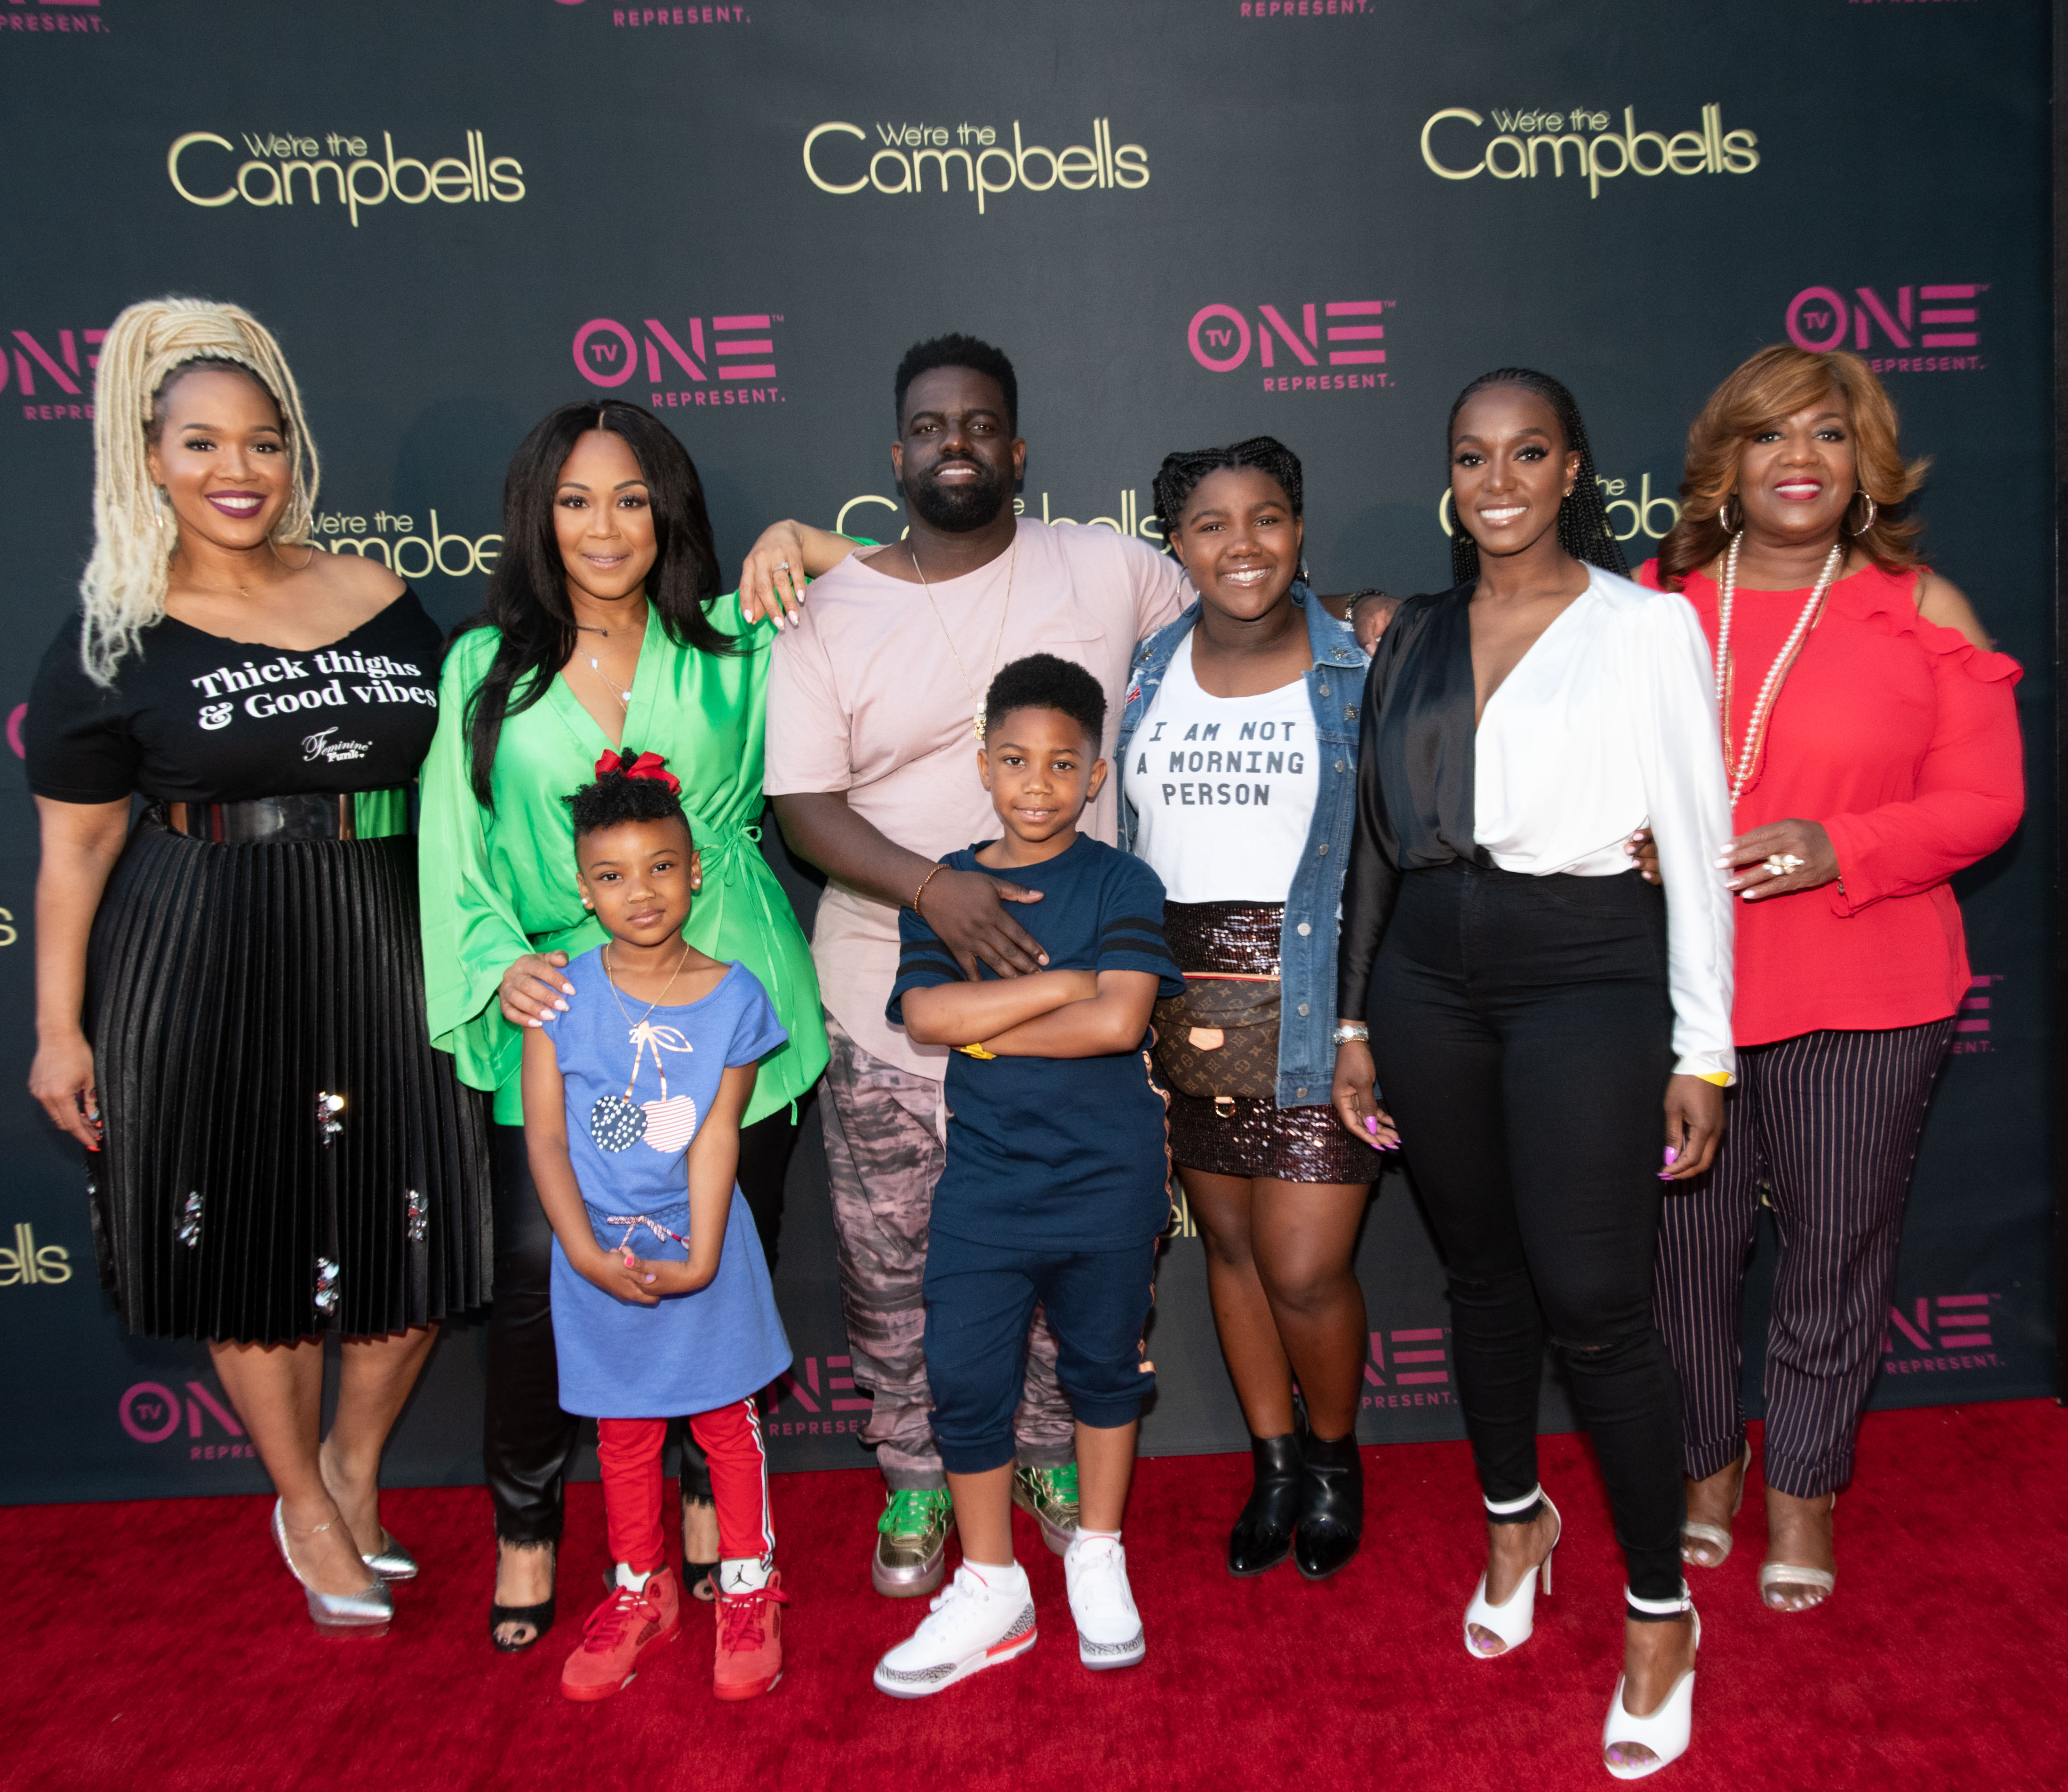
1871	738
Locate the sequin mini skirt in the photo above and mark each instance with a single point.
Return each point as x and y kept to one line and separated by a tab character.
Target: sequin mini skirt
284	1151
1238	1137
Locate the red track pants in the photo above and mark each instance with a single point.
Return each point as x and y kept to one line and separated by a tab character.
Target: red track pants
629	1450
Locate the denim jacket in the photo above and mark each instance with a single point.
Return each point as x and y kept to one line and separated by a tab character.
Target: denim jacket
1307	947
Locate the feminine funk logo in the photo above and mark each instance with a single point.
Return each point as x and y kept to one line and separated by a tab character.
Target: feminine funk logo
1331	336
721	359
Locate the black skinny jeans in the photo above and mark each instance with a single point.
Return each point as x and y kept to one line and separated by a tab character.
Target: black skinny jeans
526	1441
1522	1032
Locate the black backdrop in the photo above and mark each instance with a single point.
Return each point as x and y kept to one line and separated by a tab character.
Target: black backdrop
1188	221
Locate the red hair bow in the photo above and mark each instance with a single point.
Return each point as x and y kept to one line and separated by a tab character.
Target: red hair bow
646	765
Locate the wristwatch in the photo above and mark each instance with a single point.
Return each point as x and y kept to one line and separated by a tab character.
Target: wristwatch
1348	1030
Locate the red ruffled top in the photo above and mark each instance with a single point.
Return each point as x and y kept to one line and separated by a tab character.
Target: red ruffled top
1901	737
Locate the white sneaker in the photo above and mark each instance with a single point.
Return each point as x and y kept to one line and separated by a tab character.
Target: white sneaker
978	1620
1109	1627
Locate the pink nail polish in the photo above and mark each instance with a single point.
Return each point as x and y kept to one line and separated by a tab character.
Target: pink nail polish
1672	1155
1370	1124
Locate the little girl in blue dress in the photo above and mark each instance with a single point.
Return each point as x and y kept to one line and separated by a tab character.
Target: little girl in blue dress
661	1297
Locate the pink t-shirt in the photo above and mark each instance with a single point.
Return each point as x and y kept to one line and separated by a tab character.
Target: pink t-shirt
864	696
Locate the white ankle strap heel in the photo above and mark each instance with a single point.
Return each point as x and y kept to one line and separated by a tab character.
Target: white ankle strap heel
1668	1730
1515	1618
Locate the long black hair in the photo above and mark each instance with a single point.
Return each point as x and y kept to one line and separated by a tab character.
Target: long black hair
1179	476
526	602
1583	518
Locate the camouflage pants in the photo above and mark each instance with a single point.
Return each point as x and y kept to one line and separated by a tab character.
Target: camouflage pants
884	1155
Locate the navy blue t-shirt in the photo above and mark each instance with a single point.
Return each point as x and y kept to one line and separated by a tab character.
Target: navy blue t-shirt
1056	1153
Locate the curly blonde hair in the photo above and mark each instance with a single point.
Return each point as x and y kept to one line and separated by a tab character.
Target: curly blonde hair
1777	383
135	531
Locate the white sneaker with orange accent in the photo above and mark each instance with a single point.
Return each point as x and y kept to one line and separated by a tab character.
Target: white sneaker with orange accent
982	1617
1109	1627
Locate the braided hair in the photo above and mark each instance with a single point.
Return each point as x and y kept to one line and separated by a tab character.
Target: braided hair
134	532
1583	518
1179	476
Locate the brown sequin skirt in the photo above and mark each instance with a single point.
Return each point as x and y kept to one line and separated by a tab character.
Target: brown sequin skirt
1251	1138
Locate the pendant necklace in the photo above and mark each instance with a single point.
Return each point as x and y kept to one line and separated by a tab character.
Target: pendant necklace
617	1122
1769	690
622	692
997	647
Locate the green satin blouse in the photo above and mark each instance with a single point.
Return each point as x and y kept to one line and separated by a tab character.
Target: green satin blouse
499	883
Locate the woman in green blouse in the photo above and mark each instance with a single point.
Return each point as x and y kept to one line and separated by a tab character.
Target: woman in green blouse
602	628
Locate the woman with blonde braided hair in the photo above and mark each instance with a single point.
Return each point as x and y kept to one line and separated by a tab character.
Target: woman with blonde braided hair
230	993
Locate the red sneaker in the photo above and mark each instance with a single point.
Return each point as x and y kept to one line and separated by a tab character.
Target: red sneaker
626	1623
750	1641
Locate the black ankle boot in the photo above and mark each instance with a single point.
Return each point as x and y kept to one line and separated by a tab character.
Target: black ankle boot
1331	1505
1263	1535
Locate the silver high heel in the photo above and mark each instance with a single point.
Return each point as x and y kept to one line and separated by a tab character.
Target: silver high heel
391	1561
366	1613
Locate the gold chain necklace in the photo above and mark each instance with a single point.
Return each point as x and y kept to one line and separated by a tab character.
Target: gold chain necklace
997	647
610	976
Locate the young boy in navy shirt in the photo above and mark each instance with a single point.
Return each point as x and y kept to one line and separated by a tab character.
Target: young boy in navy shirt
1056	1188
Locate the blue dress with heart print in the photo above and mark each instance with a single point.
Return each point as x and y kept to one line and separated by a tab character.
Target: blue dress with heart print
638	1085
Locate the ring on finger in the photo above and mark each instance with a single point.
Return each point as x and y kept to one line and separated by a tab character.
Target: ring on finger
1781	864
782	566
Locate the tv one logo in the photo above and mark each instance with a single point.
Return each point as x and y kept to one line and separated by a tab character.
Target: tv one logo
150	1412
815	1387
732	362
59	378
1337	333
56	15
1938	317
1940	1333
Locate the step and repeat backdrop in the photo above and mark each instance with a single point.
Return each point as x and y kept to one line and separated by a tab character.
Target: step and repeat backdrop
1187	222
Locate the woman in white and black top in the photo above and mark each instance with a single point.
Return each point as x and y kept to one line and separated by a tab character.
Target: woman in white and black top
1537	1012
1238	741
230	993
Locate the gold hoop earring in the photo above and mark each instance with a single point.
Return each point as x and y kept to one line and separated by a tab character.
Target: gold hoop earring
1873	511
1723	516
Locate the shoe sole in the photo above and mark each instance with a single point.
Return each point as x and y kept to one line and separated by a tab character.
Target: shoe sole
1058	1540
996	1656
1137	1650
589	1695
752	1692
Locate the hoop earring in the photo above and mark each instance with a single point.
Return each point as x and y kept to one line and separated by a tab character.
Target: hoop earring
1723	516
158	509
1873	511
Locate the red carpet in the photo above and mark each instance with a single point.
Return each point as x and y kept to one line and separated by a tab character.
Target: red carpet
161	1646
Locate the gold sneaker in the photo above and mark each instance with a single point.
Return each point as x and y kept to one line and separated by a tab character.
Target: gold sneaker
912	1541
1050	1495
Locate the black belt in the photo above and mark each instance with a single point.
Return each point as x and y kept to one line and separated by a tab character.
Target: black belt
312	817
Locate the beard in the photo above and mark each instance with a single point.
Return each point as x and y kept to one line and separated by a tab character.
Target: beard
957	509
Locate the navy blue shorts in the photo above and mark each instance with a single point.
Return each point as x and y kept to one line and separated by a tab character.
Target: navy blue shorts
980	1300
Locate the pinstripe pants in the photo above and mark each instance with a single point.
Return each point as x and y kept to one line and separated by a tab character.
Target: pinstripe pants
1829	1123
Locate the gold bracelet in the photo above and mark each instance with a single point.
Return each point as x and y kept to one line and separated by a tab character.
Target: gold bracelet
921	890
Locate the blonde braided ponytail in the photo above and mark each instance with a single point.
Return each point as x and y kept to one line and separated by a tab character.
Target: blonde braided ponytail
134	530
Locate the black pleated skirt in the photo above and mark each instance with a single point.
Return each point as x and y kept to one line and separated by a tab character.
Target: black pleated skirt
284	1151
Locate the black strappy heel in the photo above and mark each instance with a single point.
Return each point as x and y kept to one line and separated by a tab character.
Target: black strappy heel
539	1617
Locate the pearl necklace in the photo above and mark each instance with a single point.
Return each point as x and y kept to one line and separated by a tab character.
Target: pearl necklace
1770	689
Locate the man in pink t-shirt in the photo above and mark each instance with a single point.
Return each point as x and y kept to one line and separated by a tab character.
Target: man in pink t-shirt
872	699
